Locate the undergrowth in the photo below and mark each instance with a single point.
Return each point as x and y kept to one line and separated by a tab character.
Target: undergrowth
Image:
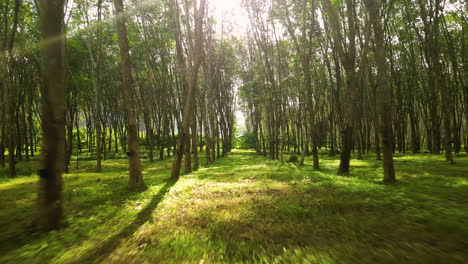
245	208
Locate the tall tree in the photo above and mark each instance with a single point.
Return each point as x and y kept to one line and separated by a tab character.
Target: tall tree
136	178
97	80
347	54
10	92
53	108
190	82
384	94
306	24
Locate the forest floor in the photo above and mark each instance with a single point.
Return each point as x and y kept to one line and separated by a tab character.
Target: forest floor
246	208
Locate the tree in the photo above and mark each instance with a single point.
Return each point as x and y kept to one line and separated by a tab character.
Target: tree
347	54
306	24
10	93
189	81
384	94
53	109
136	178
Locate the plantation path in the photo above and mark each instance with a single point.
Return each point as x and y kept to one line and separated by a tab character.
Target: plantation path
246	208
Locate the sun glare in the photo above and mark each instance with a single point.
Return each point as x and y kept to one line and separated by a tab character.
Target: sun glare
229	14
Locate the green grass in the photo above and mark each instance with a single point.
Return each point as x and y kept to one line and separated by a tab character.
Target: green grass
246	208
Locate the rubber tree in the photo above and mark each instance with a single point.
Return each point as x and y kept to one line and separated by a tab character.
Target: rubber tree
136	178
53	109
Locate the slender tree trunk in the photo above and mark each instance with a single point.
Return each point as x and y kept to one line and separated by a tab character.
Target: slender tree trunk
136	178
53	107
347	56
10	95
194	144
97	126
25	134
188	156
378	155
2	134
383	92
69	143
446	121
305	149
116	138
191	88
3	102
98	93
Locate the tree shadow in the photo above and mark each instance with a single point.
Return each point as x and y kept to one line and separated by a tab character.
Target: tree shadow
107	247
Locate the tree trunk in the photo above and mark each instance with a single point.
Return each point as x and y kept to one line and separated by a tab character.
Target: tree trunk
192	86
10	95
347	55
136	178
384	95
194	144
53	107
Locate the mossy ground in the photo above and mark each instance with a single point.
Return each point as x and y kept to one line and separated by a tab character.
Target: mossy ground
246	208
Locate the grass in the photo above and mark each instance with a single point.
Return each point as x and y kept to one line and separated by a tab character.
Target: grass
246	208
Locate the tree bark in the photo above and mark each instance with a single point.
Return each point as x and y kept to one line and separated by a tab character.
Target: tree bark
192	86
347	55
53	107
136	178
384	95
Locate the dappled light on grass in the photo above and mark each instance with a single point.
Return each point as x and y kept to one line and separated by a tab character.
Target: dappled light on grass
98	205
246	208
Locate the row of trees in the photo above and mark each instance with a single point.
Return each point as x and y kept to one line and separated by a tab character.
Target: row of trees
357	75
159	75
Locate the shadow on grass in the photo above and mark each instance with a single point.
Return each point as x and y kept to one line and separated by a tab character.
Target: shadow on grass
107	247
345	219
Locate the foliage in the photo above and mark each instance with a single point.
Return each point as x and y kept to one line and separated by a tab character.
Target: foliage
245	141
